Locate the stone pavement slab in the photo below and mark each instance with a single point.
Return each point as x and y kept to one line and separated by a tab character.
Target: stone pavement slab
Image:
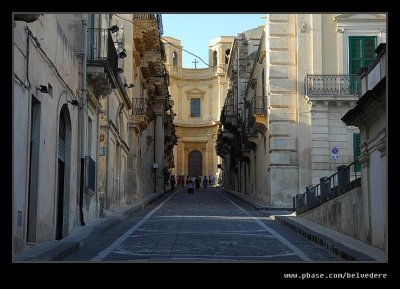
342	245
254	202
207	226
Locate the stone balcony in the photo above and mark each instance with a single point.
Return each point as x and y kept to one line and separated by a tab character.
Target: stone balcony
102	62
142	114
228	116
256	120
147	32
249	135
261	123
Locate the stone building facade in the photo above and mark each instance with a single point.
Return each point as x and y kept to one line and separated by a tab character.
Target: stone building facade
91	116
305	77
151	131
46	126
370	116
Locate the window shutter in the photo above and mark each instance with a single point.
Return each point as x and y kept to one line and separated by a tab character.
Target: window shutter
369	51
361	52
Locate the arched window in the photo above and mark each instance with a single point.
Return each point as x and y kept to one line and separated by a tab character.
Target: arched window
215	59
227	52
174	59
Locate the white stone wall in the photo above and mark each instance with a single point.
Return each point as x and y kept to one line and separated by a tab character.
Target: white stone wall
374	172
20	163
343	214
54	43
328	130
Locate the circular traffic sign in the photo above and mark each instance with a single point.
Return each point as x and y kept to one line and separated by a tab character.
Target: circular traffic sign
334	150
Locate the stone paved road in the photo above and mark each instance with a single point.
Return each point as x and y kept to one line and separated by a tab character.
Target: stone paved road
207	226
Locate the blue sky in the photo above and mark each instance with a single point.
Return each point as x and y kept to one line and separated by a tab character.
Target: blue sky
196	30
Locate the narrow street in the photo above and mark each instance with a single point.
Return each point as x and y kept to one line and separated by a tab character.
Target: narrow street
207	226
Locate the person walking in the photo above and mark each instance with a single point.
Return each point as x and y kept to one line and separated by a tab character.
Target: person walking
187	180
172	182
190	186
181	183
205	181
197	183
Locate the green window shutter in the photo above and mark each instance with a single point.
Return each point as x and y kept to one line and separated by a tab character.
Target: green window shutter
361	52
356	151
369	50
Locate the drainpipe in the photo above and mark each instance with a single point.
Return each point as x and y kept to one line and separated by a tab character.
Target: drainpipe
84	120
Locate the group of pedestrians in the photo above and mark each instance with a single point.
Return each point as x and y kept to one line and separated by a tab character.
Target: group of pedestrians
191	183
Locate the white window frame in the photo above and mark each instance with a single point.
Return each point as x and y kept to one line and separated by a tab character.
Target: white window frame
347	27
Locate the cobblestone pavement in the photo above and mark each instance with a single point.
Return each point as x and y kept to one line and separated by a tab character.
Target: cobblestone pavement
207	226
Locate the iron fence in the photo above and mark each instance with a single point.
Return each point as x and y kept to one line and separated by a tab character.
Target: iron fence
345	179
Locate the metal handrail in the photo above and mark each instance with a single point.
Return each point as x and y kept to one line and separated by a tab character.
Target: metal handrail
333	187
332	85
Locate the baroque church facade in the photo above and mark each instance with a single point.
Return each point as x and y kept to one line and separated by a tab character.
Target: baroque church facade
198	95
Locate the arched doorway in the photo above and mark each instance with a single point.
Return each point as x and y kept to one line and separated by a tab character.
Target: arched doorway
195	164
63	167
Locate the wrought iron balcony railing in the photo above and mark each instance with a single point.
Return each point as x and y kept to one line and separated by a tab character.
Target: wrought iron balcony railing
142	106
101	50
317	85
258	105
229	110
248	127
144	16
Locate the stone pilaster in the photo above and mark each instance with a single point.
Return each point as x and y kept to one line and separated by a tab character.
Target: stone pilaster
282	93
159	144
320	154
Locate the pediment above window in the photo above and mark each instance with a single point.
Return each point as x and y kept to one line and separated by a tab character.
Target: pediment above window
195	91
360	17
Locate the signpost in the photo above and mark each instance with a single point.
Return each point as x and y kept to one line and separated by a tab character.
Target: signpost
334	155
